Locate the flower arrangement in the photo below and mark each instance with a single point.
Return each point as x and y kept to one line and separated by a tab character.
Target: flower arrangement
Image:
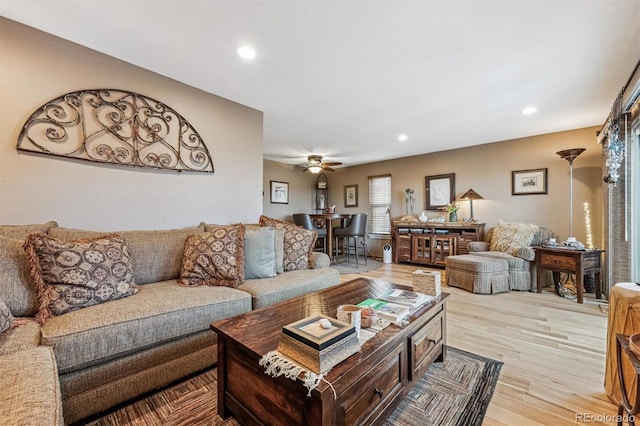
450	208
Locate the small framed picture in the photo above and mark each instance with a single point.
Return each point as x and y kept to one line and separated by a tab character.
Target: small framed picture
528	182
279	192
351	196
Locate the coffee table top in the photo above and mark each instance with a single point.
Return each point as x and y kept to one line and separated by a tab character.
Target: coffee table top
259	331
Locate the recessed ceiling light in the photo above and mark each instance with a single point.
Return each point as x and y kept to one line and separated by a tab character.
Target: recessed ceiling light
402	137
246	52
529	110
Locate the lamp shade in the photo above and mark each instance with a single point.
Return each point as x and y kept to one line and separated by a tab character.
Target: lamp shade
570	154
472	195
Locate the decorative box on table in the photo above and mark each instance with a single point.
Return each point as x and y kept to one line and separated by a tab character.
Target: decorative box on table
316	348
427	282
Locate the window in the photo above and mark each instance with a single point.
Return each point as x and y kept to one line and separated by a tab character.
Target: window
379	204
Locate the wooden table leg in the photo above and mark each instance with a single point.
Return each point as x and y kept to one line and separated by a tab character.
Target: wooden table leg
598	285
328	224
579	283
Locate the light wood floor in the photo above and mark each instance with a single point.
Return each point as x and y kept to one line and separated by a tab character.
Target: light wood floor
553	351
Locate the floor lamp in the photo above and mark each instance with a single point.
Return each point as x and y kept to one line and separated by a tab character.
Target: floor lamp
472	195
570	155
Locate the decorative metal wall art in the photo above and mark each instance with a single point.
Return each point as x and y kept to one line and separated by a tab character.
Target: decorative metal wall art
117	127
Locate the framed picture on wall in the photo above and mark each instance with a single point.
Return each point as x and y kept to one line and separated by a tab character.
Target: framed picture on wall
528	182
279	192
351	196
441	190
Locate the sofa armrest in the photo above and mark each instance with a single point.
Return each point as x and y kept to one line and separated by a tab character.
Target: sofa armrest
319	260
526	253
478	246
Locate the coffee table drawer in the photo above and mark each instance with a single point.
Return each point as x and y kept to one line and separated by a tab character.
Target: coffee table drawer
364	401
423	345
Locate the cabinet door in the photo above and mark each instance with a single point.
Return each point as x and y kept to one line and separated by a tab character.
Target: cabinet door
421	249
443	247
403	247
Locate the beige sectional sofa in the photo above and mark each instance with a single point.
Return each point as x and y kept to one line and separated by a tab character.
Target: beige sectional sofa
94	358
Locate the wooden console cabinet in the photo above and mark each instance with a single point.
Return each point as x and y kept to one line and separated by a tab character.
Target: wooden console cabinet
430	243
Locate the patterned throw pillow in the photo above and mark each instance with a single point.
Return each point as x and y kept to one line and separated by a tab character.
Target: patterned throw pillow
75	274
6	319
214	258
298	243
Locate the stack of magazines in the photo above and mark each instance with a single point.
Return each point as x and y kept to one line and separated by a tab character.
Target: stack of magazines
396	304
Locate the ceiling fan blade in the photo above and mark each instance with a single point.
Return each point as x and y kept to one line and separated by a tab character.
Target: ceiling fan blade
327	169
332	163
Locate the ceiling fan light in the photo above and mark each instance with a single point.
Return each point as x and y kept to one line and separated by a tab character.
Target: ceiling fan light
315	169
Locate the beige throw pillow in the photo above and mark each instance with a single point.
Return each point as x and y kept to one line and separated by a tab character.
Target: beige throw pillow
509	237
74	274
298	243
214	258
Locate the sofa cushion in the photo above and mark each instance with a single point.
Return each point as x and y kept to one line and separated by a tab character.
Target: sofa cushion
16	286
30	391
267	291
156	255
298	243
160	312
214	258
21	232
6	319
24	335
508	237
259	253
75	274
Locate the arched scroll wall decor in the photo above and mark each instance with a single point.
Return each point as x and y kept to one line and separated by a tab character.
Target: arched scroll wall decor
117	127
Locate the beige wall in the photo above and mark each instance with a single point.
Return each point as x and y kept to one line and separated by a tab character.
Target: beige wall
487	169
36	67
300	189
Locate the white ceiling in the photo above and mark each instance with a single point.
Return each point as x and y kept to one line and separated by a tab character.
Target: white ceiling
343	78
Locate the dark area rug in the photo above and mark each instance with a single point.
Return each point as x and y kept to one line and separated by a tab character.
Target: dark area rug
455	392
350	267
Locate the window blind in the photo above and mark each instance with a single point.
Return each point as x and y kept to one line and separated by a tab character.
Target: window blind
379	204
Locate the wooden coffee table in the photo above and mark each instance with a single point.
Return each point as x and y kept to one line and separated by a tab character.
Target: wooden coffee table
369	385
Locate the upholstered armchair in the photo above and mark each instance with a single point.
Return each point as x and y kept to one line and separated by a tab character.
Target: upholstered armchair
514	243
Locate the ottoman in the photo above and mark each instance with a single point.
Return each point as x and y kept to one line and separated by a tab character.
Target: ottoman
477	274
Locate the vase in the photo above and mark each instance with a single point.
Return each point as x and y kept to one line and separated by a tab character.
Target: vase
423	217
453	217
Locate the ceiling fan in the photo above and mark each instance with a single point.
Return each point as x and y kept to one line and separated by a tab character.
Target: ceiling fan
315	164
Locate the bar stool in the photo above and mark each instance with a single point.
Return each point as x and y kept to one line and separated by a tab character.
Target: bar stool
304	220
357	228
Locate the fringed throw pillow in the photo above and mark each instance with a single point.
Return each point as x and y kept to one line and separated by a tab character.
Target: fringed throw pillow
75	274
298	243
509	237
214	258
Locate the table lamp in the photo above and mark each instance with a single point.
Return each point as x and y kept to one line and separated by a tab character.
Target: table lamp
472	195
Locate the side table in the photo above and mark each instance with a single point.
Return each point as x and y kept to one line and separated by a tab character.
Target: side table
577	262
626	406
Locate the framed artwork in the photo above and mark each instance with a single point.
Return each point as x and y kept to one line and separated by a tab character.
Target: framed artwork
321	183
279	192
527	182
441	190
351	196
